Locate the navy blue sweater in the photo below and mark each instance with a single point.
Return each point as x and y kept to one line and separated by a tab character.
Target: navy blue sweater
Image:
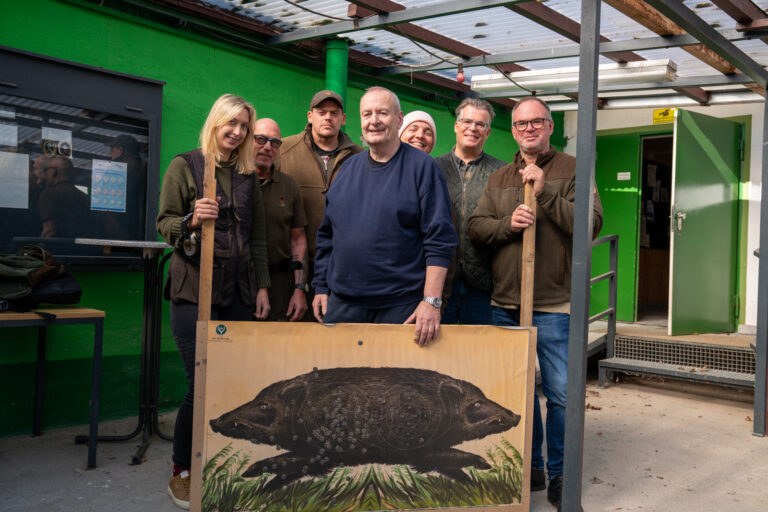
382	226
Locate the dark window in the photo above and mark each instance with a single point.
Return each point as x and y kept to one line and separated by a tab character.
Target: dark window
78	157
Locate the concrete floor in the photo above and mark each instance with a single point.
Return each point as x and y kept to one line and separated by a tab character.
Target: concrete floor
645	449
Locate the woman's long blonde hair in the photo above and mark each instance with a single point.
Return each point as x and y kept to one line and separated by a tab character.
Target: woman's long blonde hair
226	108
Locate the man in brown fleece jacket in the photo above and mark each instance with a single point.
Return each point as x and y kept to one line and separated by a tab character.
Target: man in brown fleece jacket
313	158
499	221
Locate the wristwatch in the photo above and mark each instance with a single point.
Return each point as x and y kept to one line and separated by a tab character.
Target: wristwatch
435	302
302	286
184	224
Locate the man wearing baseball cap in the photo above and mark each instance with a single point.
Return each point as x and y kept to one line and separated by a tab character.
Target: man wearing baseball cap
313	158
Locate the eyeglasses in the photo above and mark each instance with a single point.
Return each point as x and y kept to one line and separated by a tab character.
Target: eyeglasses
536	123
262	140
466	123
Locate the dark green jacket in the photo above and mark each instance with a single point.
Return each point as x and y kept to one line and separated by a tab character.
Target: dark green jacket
490	225
473	261
240	247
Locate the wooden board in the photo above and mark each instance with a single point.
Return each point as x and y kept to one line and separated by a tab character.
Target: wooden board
348	396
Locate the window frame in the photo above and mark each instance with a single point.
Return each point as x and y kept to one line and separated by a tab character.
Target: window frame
39	77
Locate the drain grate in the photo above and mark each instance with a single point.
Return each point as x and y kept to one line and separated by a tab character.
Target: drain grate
696	355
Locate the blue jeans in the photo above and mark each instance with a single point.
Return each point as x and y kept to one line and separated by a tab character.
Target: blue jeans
341	311
552	349
467	305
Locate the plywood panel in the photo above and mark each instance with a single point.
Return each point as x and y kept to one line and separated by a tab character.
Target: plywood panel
381	372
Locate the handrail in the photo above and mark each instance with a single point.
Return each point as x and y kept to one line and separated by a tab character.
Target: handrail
612	276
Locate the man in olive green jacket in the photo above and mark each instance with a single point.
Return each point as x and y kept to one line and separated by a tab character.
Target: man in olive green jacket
313	158
499	221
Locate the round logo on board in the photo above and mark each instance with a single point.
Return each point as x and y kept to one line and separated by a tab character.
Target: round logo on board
221	329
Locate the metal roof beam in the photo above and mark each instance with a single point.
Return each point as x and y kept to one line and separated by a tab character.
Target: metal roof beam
697	81
694	25
563	25
363	8
384	20
561	52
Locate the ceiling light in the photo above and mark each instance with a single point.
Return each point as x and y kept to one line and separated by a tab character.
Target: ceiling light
661	70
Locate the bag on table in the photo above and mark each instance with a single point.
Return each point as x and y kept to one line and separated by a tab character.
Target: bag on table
33	277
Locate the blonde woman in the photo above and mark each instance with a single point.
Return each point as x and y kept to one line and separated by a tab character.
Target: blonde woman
240	271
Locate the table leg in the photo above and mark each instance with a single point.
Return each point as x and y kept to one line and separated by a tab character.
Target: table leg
93	433
37	419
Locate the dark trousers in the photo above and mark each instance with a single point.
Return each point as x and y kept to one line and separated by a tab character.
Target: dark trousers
280	293
341	311
184	327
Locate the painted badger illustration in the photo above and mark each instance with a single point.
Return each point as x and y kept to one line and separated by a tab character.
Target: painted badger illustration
351	416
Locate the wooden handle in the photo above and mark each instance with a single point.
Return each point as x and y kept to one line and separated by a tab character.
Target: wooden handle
201	343
529	259
206	244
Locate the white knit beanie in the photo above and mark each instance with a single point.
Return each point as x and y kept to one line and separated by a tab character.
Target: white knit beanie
419	115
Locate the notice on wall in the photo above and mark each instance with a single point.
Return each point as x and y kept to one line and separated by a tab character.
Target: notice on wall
664	115
56	142
14	175
109	180
623	176
9	134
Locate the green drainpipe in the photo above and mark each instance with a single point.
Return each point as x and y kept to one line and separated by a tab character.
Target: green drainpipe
336	62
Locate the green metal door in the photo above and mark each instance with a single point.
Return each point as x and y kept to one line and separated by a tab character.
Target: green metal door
704	224
617	176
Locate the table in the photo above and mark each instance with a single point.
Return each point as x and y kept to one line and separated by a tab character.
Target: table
63	315
149	377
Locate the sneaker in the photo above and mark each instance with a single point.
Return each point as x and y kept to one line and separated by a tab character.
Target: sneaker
555	492
538	480
178	490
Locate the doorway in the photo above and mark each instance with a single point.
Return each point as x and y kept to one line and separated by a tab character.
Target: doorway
655	200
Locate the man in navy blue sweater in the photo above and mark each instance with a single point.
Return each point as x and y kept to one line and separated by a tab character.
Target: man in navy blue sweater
387	234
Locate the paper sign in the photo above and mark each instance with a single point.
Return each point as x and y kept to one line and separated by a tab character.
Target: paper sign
109	182
9	135
623	176
56	142
664	115
14	175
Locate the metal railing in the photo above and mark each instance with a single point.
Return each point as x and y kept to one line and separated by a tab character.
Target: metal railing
610	313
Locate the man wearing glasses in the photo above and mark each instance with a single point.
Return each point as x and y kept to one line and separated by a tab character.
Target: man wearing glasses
466	169
286	239
498	222
313	158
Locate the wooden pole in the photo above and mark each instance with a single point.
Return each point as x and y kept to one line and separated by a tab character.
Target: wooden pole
529	259
206	244
201	344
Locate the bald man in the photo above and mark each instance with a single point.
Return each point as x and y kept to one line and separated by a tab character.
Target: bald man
286	222
64	209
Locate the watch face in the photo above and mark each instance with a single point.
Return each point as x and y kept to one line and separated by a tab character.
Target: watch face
434	301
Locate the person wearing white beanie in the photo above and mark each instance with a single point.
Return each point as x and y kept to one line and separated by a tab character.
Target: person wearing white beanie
419	131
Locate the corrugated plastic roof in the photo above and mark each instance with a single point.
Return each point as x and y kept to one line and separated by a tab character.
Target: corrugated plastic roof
493	30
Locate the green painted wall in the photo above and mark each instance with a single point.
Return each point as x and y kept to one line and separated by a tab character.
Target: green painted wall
196	72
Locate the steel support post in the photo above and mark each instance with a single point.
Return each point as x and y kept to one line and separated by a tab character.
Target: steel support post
761	341
582	256
336	64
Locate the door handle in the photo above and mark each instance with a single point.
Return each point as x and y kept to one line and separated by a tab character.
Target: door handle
680	218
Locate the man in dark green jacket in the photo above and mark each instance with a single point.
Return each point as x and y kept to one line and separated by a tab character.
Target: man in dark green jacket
466	169
498	222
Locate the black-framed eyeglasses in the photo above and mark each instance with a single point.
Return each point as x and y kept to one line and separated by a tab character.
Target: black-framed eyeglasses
466	123
263	139
536	123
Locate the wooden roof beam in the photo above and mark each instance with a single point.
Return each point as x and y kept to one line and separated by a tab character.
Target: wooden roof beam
571	29
653	20
364	8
